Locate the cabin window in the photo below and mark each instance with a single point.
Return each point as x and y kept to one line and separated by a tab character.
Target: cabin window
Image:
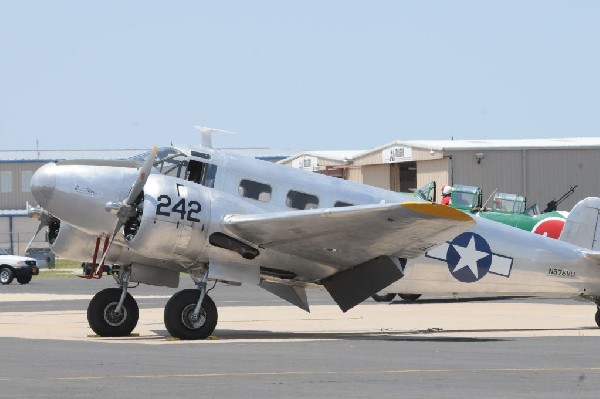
255	190
201	173
298	200
339	204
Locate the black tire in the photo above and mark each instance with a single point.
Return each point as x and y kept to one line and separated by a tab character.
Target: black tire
6	275
410	297
181	306
104	321
383	297
598	317
24	279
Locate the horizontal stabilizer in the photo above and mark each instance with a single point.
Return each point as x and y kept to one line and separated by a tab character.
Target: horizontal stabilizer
593	255
292	294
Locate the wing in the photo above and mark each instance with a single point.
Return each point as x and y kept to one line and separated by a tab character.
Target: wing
345	237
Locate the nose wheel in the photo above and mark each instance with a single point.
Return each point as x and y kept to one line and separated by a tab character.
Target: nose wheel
181	319
106	319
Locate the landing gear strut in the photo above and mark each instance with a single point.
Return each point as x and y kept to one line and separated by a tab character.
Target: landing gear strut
191	314
113	312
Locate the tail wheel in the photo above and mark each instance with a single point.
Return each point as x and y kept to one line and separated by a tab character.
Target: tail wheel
179	315
6	276
410	297
103	319
598	317
383	297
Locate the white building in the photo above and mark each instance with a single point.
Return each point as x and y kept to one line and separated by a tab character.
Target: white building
539	169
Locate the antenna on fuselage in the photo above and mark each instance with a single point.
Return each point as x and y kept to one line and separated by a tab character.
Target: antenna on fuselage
207	133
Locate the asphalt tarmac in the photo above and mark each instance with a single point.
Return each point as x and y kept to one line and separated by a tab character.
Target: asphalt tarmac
437	347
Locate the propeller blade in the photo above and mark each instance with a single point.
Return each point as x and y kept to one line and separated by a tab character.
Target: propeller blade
37	212
138	186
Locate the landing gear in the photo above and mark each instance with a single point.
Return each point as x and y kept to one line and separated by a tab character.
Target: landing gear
598	316
113	312
383	297
180	320
410	297
191	314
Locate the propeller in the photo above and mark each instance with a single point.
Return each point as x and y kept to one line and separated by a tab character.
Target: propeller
207	134
126	208
37	212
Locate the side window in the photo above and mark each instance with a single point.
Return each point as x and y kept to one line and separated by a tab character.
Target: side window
339	204
298	200
201	173
255	190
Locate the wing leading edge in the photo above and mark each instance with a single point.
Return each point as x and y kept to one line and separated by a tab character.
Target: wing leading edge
345	237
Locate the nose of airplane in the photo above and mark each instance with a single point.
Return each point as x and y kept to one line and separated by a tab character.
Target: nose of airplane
43	184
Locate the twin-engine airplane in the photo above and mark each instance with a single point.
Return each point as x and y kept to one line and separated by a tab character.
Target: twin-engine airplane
237	220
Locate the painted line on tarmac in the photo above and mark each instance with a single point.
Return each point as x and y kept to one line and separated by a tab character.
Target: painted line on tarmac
309	373
24	297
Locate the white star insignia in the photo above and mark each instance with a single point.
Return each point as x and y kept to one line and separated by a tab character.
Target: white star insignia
469	256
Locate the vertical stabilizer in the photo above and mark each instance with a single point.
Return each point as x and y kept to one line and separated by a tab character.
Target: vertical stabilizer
583	224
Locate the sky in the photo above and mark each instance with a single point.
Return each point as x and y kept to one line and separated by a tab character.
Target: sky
301	75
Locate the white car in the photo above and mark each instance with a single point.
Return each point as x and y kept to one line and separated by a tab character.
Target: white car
12	266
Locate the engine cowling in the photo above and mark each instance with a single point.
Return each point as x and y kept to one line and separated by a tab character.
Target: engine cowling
71	243
171	221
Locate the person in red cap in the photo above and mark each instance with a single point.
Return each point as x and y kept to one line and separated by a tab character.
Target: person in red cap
446	195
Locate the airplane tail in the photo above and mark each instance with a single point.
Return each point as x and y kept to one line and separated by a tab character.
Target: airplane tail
582	227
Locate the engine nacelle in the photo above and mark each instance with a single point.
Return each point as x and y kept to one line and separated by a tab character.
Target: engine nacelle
71	243
172	220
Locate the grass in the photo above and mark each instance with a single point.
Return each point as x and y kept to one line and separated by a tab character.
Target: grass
64	268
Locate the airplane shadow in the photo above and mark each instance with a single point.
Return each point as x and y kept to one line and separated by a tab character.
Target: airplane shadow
259	335
428	335
455	300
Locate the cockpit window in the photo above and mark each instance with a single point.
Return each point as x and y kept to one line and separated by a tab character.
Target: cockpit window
201	173
255	190
298	200
169	161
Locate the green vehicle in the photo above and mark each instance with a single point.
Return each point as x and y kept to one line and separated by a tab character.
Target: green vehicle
510	209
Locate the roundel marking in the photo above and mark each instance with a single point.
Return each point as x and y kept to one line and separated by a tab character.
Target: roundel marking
469	257
550	227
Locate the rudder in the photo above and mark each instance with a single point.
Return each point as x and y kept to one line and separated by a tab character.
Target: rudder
582	227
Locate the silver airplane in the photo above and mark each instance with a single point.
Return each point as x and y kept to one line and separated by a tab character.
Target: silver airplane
238	220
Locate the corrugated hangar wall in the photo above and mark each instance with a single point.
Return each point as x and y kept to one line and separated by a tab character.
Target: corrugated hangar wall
18	174
539	174
500	170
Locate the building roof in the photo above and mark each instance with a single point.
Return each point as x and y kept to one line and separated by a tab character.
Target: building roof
56	155
441	145
13	212
340	155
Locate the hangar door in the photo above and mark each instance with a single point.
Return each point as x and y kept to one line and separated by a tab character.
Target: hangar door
403	177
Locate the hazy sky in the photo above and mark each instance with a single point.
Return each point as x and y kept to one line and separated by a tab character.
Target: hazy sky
295	74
